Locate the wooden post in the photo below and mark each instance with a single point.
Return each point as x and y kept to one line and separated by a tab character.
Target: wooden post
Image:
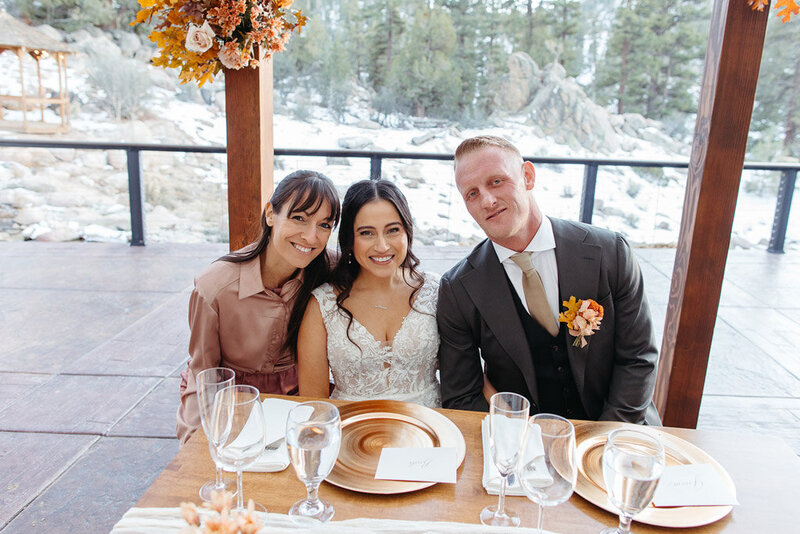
23	100
248	109
733	58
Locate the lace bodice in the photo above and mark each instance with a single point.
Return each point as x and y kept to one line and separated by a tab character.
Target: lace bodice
403	369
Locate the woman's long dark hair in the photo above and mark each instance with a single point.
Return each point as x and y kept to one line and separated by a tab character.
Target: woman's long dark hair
347	268
299	191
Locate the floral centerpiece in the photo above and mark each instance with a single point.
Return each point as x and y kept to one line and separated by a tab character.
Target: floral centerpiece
202	36
218	518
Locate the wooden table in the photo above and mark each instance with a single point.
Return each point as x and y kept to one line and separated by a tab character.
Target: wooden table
765	470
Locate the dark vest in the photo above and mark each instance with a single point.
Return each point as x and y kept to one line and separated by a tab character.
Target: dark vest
557	391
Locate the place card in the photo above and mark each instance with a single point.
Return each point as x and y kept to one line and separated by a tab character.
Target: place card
418	464
692	485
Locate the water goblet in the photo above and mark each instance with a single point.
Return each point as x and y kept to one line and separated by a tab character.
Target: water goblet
547	469
209	382
239	417
313	436
508	419
633	461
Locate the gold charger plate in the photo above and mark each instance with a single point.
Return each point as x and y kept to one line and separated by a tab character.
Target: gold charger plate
369	426
591	438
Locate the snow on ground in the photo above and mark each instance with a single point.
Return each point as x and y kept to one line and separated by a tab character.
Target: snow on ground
643	204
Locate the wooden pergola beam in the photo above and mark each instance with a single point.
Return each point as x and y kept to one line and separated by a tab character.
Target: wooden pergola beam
248	103
733	59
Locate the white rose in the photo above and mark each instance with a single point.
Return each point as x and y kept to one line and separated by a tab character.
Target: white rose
230	55
199	38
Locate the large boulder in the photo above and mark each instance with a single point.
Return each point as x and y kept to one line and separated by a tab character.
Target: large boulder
516	86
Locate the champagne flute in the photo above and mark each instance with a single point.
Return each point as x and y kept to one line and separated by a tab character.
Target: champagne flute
238	415
547	469
313	436
632	465
209	382
508	419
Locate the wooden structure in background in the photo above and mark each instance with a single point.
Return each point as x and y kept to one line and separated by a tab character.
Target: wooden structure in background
733	58
248	109
22	40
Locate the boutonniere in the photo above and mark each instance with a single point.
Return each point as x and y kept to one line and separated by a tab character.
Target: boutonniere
582	317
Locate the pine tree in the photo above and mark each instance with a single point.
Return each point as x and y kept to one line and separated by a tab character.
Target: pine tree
776	115
422	73
654	57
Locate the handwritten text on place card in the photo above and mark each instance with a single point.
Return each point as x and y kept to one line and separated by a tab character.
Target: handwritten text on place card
692	485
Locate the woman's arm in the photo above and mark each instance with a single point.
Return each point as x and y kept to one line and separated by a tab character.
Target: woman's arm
204	349
312	353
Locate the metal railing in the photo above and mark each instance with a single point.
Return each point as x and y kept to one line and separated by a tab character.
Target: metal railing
591	165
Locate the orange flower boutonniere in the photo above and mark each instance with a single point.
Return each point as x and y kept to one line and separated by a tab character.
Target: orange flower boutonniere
582	317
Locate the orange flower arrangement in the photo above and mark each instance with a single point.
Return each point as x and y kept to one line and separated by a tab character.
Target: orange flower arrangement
200	37
582	317
223	522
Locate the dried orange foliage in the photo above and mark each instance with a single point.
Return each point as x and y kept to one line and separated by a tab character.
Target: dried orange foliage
758	5
235	28
785	8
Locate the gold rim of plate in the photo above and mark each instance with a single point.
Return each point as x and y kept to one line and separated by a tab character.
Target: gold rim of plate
369	426
591	437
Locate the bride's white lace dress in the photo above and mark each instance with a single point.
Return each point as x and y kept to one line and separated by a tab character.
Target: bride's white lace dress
403	369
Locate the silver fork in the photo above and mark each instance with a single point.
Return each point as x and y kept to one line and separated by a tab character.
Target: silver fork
275	444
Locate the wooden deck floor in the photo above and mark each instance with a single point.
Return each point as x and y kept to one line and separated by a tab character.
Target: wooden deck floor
93	337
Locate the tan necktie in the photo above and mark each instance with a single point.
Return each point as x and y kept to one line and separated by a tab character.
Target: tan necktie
535	296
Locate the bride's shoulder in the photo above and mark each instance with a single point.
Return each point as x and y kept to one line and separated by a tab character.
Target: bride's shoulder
429	291
325	295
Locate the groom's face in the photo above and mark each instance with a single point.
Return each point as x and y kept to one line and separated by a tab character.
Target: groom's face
495	185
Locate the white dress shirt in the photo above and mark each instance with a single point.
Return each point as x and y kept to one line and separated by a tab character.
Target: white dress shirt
543	248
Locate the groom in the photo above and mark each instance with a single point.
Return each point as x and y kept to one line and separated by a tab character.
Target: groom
502	307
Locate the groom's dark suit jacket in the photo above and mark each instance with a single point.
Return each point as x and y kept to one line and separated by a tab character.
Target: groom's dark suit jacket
614	374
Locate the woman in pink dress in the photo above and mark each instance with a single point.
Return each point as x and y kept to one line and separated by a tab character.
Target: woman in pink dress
246	307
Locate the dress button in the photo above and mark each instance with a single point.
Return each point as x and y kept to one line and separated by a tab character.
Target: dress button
555	348
566	390
560	368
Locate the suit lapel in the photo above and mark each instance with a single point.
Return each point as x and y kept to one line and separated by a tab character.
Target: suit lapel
578	264
487	287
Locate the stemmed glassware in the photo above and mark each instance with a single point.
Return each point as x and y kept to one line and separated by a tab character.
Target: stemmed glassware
508	419
632	465
313	436
209	382
547	469
239	418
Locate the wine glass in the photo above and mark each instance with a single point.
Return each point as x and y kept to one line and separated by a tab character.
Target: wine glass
209	382
508	419
313	436
547	468
632	465
239	418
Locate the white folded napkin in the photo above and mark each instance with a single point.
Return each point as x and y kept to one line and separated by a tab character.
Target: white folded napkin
535	465
534	449
491	477
168	520
276	411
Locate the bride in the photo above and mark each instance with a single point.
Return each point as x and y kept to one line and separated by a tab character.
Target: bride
374	326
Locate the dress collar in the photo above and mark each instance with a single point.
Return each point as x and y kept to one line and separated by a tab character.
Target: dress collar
250	281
